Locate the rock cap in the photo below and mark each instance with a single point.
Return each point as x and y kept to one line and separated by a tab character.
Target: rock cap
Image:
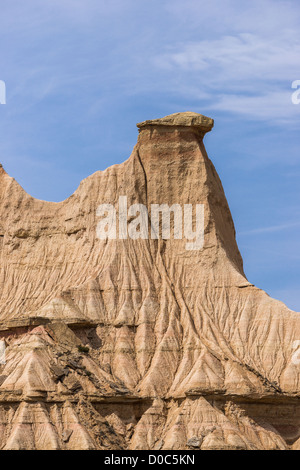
187	119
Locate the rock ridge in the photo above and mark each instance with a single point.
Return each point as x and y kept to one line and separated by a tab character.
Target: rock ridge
140	343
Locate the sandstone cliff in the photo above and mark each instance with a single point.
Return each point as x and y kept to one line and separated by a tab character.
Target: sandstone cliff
140	344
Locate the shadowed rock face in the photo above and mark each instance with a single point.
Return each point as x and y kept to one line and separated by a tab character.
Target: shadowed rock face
140	344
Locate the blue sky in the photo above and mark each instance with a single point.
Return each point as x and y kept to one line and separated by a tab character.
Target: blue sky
81	73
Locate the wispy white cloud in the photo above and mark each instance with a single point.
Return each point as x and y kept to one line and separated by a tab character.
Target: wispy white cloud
273	228
216	18
245	56
275	107
243	74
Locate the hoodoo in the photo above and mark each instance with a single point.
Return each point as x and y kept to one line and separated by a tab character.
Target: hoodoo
138	342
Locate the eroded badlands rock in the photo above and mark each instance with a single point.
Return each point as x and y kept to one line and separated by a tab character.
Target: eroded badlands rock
140	344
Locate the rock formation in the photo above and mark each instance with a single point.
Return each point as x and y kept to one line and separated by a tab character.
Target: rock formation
140	343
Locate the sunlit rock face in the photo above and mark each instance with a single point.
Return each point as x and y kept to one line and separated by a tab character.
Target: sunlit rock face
140	343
